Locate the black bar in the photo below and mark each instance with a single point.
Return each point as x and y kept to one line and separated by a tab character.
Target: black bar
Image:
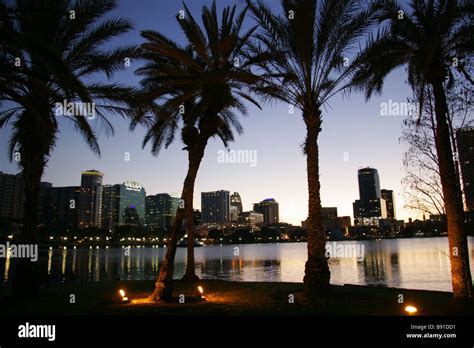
242	330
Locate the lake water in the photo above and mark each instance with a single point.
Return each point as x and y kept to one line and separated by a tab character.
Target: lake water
420	263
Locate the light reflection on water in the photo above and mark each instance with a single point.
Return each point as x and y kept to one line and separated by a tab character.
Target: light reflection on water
420	263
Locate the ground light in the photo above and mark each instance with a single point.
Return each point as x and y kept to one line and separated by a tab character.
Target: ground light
411	309
124	298
201	291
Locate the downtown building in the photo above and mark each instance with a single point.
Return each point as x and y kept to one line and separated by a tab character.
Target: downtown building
251	218
90	199
235	207
160	211
465	142
123	204
331	220
12	196
60	209
269	209
370	207
329	212
389	198
71	208
61	213
215	207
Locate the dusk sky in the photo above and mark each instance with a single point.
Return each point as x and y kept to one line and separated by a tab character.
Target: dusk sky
350	125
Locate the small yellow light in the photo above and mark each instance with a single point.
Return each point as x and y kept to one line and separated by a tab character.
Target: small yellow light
411	309
125	298
122	293
200	289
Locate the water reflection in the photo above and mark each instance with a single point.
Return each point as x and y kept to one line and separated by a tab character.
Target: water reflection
7	267
380	266
408	263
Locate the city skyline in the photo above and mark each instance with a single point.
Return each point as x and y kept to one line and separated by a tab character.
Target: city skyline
346	143
107	189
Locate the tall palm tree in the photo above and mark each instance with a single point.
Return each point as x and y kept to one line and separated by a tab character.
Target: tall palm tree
49	50
309	46
198	87
432	38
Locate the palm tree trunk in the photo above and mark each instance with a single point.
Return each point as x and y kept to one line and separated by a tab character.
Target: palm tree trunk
190	275
458	249
164	284
317	274
25	280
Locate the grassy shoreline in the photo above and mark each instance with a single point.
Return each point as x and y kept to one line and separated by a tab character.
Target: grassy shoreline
232	298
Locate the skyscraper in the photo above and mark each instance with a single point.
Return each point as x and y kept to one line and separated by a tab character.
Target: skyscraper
329	216
389	198
269	208
370	207
90	204
215	206
63	208
465	141
369	184
12	196
132	203
123	204
110	206
43	202
235	207
160	210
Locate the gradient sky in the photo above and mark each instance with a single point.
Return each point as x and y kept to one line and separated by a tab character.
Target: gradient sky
350	125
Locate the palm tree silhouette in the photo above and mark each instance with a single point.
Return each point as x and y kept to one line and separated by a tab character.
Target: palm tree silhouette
309	48
197	87
48	51
432	39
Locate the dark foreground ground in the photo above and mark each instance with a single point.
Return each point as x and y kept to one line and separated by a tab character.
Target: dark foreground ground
232	298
